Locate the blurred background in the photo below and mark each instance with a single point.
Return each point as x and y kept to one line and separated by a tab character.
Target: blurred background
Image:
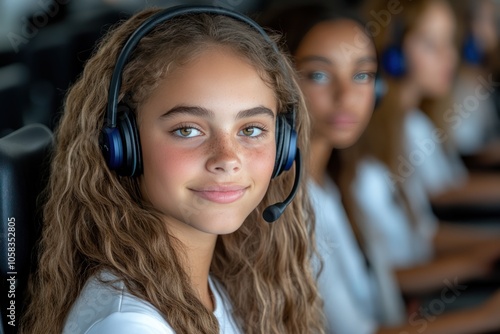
44	44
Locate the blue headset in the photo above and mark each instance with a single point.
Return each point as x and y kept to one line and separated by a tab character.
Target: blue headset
119	138
394	61
471	52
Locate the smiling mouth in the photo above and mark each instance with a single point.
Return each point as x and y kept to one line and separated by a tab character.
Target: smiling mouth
342	120
221	194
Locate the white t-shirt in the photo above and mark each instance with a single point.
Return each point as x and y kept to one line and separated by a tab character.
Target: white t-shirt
357	299
384	217
101	309
473	120
425	158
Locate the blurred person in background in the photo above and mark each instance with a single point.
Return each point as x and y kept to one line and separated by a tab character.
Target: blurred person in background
475	126
417	156
337	63
388	173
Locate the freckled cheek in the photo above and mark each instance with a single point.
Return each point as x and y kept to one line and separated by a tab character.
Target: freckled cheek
166	160
177	161
167	166
259	162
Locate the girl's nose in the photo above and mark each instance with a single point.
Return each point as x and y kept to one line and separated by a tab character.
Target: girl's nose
224	156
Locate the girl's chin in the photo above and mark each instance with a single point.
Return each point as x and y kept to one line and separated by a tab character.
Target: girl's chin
343	142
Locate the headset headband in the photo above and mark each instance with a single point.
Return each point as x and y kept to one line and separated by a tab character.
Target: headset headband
145	28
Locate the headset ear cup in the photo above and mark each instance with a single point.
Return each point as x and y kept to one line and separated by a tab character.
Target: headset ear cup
286	145
111	147
290	149
380	89
132	161
394	62
279	146
471	52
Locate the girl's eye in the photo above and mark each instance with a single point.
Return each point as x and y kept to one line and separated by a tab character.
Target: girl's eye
319	77
187	132
364	77
251	131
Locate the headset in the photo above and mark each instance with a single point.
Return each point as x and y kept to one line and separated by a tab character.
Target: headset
380	89
471	52
394	61
119	138
393	58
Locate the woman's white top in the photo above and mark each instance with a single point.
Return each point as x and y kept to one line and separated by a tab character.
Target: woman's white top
357	298
383	215
102	309
473	120
424	169
424	157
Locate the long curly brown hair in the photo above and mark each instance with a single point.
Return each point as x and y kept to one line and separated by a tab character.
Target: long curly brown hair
95	220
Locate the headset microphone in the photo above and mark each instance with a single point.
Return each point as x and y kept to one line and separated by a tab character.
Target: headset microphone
273	212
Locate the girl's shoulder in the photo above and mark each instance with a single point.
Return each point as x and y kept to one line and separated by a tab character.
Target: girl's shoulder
104	306
418	125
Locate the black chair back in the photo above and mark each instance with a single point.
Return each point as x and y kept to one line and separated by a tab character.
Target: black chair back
24	156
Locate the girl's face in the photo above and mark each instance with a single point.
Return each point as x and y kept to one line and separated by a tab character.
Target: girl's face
430	50
483	25
208	143
337	65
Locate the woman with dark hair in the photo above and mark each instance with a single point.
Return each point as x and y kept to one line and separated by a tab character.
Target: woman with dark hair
337	65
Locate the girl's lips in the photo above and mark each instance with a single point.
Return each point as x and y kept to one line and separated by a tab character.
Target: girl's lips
222	194
342	120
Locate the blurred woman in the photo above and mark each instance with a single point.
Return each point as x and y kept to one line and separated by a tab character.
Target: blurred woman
475	131
337	63
419	62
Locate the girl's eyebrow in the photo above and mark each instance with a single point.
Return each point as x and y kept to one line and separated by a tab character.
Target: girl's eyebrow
367	59
315	58
188	110
260	110
206	113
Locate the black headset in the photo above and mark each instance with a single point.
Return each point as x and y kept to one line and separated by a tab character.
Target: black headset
119	138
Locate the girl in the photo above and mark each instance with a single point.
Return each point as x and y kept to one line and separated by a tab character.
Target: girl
182	247
337	63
